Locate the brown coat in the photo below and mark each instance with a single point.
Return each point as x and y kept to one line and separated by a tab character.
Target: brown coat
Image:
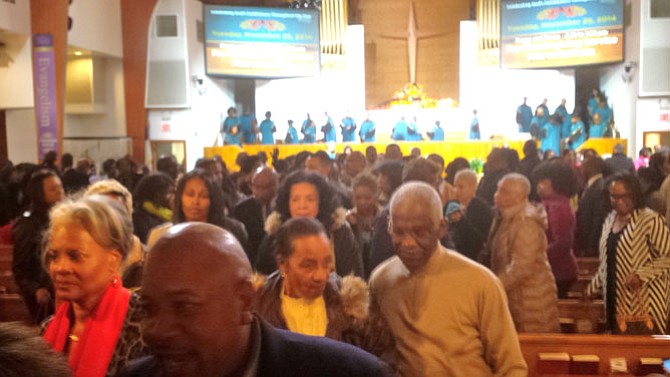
518	249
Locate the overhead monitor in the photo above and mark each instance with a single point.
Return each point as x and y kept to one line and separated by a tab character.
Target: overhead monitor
560	33
261	42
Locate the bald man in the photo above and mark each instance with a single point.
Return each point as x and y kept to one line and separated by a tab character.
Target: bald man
469	217
253	211
199	322
447	313
518	248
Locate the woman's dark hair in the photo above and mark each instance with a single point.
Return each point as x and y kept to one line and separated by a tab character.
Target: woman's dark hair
631	184
563	178
456	165
328	201
216	214
366	180
392	169
34	192
152	188
295	228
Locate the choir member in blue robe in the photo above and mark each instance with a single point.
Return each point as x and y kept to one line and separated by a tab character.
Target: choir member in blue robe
328	129
291	134
437	133
605	112
524	114
400	130
562	111
597	128
550	136
577	134
348	127
413	133
248	125
308	129
268	129
231	128
367	131
475	133
537	123
593	103
545	109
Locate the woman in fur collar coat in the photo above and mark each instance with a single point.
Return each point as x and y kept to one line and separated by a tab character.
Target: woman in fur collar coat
305	296
304	194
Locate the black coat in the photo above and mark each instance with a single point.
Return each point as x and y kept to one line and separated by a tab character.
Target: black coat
143	222
284	354
470	233
250	213
592	209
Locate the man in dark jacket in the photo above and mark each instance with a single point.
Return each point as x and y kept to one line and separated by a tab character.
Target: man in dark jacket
619	162
199	319
592	209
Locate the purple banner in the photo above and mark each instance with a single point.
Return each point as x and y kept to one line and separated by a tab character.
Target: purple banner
44	77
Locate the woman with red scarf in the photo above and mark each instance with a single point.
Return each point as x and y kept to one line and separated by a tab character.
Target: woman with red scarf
96	324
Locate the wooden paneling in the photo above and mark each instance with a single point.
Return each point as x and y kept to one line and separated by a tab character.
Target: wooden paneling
135	17
387	68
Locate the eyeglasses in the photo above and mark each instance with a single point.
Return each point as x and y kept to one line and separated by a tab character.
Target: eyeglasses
619	196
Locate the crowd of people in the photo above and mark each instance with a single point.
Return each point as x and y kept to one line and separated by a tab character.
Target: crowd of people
364	264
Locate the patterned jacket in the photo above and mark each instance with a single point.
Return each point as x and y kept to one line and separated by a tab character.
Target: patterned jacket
643	249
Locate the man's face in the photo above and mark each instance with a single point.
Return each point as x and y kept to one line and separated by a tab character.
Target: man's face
193	315
264	187
414	235
507	195
354	164
464	190
314	165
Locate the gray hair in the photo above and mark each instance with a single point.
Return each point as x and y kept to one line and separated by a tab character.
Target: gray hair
466	174
420	194
520	179
114	188
102	217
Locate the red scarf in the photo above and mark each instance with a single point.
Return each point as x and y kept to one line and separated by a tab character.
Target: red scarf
96	345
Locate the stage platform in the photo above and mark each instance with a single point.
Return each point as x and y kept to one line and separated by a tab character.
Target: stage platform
449	150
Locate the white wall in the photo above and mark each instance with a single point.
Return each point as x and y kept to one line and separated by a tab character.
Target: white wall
96	26
16	81
21	135
15	17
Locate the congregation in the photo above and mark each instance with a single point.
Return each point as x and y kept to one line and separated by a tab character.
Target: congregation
358	265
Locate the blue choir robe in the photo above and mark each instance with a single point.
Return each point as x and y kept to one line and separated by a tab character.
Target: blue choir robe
536	125
292	136
400	131
546	112
309	130
328	129
246	126
524	114
552	138
436	134
577	128
413	133
475	133
591	106
567	120
597	130
231	127
268	130
605	114
348	129
367	132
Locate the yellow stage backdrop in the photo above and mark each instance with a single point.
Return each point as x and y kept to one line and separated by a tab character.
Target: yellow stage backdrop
449	150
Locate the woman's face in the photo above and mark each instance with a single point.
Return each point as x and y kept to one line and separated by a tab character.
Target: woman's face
621	199
544	188
365	199
80	269
304	200
53	190
195	200
306	271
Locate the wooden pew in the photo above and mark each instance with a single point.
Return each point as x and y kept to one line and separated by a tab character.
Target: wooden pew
12	308
6	257
587	316
632	348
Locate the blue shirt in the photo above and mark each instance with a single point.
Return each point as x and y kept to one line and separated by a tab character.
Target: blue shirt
367	132
348	129
246	122
597	130
328	129
552	139
268	129
524	114
578	140
605	114
309	130
413	133
437	134
291	136
536	125
567	121
231	127
474	129
400	131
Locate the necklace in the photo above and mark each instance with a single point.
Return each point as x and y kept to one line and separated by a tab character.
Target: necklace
73	337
